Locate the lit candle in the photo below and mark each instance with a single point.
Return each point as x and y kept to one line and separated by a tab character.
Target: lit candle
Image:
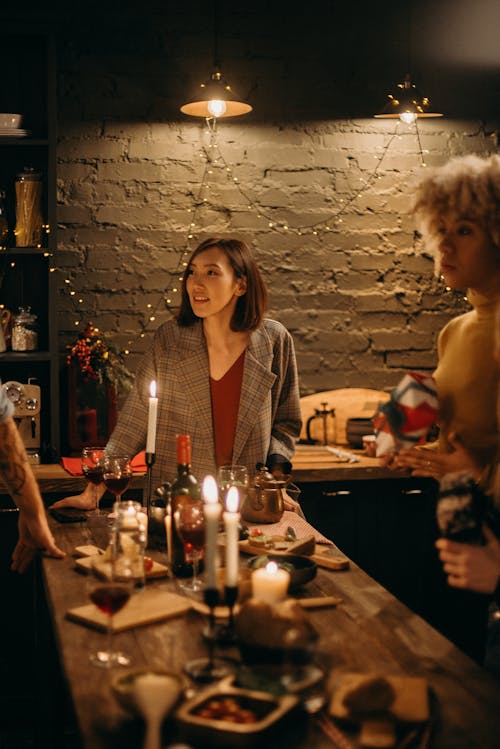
212	510
231	518
152	415
270	583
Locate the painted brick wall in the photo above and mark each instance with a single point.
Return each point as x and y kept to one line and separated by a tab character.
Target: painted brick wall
359	296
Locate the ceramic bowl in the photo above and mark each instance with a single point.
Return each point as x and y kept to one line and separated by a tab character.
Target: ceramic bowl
301	569
10	120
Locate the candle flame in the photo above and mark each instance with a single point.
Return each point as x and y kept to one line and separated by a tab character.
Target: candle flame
209	489
232	499
152	389
271	568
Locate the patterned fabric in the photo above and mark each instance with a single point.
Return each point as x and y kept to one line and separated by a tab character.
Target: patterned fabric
6	406
269	414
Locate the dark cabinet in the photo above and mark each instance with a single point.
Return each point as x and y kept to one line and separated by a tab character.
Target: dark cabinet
26	273
387	526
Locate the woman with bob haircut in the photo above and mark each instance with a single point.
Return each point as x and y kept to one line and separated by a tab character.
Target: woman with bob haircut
225	375
458	211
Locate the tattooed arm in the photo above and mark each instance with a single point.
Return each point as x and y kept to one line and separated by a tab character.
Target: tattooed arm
34	531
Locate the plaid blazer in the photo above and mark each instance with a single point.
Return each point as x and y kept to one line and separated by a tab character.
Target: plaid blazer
269	411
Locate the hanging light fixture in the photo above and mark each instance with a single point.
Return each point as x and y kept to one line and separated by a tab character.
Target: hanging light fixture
407	103
215	98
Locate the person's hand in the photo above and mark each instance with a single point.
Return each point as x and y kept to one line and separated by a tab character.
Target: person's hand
471	567
83	501
34	536
432	463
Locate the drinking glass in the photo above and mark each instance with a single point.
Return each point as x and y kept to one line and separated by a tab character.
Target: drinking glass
233	475
190	523
116	473
92	470
109	591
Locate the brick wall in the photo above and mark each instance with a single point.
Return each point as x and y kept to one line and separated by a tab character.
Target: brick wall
356	290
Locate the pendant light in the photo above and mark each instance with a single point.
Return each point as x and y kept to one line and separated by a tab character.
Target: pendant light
407	103
215	98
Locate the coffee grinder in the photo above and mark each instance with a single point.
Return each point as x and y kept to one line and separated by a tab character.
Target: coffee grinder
27	406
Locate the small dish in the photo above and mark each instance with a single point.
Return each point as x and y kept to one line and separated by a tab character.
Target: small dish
227	716
122	685
9	120
301	569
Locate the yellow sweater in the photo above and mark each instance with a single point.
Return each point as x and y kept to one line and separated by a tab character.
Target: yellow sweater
467	379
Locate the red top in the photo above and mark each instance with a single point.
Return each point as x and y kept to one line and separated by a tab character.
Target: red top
225	402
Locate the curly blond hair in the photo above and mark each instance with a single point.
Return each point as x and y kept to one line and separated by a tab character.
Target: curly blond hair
466	185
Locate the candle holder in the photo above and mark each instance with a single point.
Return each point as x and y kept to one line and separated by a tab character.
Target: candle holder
225	634
146	494
206	670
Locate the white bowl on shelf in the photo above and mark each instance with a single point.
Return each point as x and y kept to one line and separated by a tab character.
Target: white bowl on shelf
10	120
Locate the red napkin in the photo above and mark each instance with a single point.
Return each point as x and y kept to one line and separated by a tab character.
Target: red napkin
74	465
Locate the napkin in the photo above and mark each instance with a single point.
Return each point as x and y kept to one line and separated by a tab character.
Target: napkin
406	418
290	519
74	465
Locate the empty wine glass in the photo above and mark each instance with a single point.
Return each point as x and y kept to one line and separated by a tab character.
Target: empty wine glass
92	469
109	591
190	523
233	475
116	473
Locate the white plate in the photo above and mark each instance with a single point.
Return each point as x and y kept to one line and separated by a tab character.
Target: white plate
11	132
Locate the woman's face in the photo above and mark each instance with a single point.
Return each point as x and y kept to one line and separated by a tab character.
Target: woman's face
212	286
466	256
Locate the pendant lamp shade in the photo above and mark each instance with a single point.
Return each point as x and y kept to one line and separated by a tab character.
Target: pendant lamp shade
407	103
215	98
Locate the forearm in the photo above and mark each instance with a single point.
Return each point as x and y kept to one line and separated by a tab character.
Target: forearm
16	471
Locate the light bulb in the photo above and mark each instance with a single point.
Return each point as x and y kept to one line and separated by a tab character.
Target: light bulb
216	107
408	117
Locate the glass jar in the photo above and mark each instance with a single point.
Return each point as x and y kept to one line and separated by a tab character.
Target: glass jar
129	536
29	220
24	331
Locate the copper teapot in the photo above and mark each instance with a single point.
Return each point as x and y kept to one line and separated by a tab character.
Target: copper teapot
264	502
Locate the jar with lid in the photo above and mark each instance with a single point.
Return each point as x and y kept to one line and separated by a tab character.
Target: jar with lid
24	331
29	220
128	541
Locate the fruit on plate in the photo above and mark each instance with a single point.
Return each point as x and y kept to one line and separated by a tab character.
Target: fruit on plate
148	564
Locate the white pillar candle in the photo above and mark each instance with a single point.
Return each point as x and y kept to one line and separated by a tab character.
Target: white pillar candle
270	583
211	509
152	416
231	519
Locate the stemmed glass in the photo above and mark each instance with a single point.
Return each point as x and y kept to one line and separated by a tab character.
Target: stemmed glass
92	469
190	523
109	591
116	474
233	475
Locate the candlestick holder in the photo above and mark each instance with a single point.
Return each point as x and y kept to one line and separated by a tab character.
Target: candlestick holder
225	633
206	670
150	461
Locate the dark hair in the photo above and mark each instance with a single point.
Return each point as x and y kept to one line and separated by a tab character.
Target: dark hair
251	306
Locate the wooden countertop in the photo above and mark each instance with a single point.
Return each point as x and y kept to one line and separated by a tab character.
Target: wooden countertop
369	631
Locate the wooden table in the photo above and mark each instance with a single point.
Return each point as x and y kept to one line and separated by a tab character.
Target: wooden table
371	630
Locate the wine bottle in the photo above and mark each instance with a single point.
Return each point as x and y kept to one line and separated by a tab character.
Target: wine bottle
185	488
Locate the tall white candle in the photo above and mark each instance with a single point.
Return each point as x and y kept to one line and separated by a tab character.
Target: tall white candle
270	583
212	511
152	416
231	518
168	533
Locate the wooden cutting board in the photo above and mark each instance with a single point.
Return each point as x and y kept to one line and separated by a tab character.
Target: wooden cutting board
84	564
411	703
323	556
145	607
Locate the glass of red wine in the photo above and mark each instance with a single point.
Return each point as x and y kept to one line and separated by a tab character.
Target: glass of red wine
116	474
92	470
190	523
109	591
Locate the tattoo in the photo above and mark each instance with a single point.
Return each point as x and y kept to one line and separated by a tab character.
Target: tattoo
12	462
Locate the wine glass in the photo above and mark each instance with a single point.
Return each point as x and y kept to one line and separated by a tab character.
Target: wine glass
190	523
92	470
109	591
116	473
233	475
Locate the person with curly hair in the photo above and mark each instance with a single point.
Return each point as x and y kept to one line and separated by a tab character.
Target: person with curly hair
457	207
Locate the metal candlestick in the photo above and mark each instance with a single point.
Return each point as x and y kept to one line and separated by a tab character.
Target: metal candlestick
206	670
150	461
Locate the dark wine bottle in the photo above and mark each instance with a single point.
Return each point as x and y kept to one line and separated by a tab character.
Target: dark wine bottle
185	488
